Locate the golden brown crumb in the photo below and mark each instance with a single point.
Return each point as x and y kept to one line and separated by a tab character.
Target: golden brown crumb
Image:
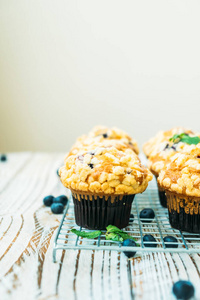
159	142
108	137
157	162
105	170
181	175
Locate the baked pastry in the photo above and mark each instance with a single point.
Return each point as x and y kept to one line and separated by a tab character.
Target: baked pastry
161	140
107	136
160	154
157	162
181	181
90	144
103	182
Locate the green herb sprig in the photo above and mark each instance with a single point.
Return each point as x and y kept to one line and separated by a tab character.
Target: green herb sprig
113	233
185	138
88	235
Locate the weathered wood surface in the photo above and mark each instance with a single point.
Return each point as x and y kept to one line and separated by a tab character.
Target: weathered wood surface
27	232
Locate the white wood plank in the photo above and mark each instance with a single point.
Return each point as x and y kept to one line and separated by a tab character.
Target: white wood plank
196	261
107	287
50	273
5	226
26	267
83	277
7	243
67	283
15	164
114	277
192	273
97	276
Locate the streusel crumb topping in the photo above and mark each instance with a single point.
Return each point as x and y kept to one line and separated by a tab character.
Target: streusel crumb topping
157	162
161	140
105	170
181	175
107	136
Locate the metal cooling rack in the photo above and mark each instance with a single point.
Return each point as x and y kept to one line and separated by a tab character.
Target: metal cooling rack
159	228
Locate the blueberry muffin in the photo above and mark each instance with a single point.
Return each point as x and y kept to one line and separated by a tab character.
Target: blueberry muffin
157	162
181	181
107	136
92	143
161	140
103	182
174	140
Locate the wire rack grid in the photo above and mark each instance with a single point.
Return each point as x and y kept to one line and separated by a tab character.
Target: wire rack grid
159	227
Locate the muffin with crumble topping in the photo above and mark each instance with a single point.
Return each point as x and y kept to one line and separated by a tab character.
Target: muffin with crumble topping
161	140
109	137
162	147
103	182
181	181
92	143
156	164
182	143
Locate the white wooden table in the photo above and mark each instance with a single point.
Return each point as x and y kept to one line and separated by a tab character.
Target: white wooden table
27	232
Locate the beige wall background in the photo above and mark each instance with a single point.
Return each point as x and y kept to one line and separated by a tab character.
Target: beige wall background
66	66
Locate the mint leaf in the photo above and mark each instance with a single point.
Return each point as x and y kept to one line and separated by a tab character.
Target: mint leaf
114	237
126	236
174	137
112	228
194	140
115	234
185	138
89	235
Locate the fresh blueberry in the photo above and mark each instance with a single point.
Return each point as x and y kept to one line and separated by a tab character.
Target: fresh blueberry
149	238
147	213
105	135
3	157
129	171
129	243
61	199
172	240
183	289
131	218
91	152
48	200
57	208
91	166
173	147
166	147
58	172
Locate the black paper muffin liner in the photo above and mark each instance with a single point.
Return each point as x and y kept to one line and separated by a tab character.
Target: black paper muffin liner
184	212
162	196
97	212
